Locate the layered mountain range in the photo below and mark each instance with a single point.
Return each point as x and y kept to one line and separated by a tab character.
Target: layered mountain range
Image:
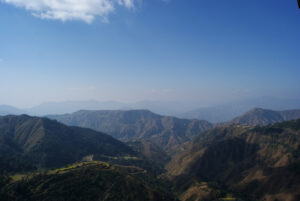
226	112
251	158
164	131
215	113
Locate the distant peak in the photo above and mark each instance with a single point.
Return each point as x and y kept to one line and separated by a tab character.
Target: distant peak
257	109
133	110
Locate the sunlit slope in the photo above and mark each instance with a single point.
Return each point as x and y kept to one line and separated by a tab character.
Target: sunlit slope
254	162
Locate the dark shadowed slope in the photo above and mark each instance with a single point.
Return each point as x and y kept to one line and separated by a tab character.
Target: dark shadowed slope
92	181
256	163
166	132
258	116
151	152
31	142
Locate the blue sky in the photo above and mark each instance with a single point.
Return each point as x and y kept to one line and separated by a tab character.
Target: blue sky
209	51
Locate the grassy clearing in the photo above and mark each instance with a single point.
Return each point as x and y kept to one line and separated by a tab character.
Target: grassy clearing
18	177
122	157
228	199
82	164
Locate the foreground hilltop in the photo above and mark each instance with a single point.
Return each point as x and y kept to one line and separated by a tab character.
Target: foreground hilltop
255	163
90	181
166	132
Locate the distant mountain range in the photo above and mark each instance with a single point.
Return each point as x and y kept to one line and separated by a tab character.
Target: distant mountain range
226	112
50	108
252	163
166	132
214	114
258	116
6	110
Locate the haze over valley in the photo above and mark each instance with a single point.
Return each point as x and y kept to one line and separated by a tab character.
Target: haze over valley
149	100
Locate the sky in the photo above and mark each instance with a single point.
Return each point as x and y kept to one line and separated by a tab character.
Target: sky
206	51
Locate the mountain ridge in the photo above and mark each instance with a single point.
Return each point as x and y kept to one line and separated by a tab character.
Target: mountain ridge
7	110
259	116
165	131
226	112
35	142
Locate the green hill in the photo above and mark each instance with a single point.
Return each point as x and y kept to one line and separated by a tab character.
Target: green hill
166	132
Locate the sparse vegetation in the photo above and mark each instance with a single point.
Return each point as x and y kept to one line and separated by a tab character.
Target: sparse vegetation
252	163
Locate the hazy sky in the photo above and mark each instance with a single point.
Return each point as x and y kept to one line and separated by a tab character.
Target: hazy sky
187	50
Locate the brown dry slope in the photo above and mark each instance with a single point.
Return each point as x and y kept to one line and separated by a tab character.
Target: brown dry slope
256	163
